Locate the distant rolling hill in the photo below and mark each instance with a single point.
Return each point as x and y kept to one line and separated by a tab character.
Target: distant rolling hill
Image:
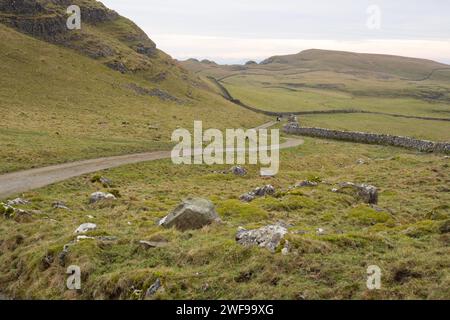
365	64
341	61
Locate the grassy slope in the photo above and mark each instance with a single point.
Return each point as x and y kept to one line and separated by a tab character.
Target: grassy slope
58	105
407	239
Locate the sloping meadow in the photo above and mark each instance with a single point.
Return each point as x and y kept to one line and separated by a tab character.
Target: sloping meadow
333	237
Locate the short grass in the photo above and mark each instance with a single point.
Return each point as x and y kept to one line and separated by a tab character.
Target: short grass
406	235
421	129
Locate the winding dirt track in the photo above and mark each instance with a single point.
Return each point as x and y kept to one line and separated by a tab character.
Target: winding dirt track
22	181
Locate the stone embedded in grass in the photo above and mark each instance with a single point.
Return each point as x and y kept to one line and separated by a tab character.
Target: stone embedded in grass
258	192
18	215
153	244
98	196
17	201
153	288
306	183
59	205
367	193
85	227
238	171
320	232
106	182
191	214
81	238
268	237
247	197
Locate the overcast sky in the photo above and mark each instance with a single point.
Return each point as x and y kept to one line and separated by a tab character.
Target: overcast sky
234	31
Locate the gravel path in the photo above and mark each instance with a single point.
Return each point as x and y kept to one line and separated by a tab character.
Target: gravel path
22	181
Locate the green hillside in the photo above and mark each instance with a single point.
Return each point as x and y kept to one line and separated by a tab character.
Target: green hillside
320	80
60	103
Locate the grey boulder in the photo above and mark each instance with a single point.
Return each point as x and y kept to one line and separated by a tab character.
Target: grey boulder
98	196
191	214
85	227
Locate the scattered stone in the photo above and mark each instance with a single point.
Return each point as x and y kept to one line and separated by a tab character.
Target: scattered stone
334	190
205	286
153	288
268	237
153	244
107	238
258	192
81	238
98	196
107	183
191	214
367	193
247	197
85	227
238	171
59	205
265	190
306	183
17	201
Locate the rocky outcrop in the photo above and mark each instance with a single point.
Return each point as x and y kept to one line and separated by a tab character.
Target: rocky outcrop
21	6
370	138
191	214
161	94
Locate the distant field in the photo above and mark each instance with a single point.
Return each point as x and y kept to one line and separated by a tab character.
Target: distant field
279	95
428	130
314	91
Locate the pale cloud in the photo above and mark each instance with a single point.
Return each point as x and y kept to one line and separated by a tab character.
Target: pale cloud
240	30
